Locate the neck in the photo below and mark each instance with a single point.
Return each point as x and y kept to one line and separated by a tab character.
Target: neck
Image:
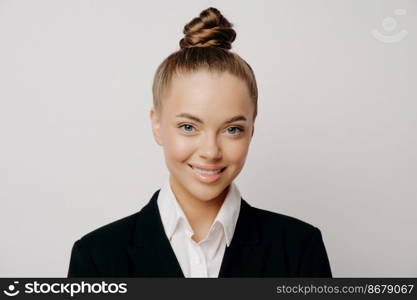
200	214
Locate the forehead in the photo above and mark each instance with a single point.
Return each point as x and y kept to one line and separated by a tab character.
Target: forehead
208	93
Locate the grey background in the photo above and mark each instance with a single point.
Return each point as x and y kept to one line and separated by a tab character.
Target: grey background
335	141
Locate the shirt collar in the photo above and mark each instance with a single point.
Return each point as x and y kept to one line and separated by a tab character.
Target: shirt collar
172	213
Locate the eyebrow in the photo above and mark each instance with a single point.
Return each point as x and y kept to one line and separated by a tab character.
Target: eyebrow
231	120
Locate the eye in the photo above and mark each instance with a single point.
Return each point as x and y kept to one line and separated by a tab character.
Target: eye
186	127
233	131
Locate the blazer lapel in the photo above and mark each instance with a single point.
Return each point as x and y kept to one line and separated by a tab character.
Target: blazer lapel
245	255
151	254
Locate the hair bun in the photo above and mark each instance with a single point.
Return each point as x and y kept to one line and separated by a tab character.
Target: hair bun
209	29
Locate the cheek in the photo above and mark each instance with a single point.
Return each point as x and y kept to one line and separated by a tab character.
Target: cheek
236	152
177	147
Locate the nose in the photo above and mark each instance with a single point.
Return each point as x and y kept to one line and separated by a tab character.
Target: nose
210	148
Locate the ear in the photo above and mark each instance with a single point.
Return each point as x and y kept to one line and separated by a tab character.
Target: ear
156	125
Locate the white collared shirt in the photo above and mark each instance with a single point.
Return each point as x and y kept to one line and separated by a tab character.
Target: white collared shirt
202	259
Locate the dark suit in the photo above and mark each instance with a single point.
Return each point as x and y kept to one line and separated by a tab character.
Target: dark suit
265	244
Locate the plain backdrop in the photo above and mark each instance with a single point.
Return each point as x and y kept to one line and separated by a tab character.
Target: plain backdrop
335	142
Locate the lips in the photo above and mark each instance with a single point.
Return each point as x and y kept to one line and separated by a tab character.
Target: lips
207	168
207	175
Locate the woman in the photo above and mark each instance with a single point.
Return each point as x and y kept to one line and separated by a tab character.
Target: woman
197	224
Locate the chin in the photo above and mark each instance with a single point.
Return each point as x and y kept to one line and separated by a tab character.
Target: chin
206	193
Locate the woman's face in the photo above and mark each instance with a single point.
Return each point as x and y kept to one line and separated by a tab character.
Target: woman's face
206	122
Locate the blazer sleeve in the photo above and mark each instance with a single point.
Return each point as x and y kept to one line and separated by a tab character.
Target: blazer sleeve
314	261
81	262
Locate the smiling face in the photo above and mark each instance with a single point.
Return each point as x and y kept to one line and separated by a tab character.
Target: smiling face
206	122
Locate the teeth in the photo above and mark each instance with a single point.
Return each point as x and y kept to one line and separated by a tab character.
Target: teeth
201	171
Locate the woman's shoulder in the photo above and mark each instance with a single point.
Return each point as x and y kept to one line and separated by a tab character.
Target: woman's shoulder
274	224
120	232
299	242
114	234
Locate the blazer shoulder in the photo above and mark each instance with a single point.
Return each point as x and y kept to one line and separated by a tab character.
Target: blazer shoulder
275	218
116	233
301	243
97	252
276	224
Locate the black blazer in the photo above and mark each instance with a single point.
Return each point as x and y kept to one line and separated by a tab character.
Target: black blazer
265	244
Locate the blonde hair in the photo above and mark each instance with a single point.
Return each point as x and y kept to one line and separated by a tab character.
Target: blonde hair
206	45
